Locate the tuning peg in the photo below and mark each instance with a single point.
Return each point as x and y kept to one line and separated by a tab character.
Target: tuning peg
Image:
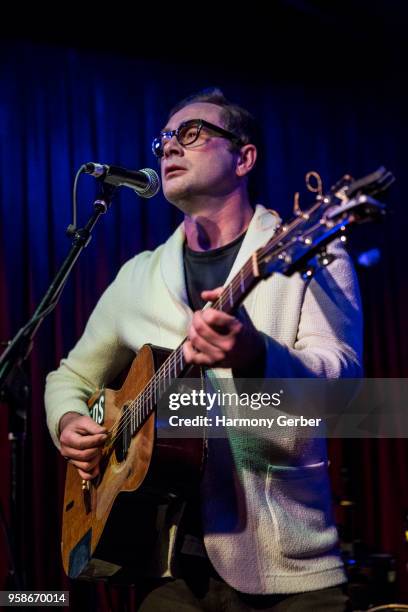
297	211
314	183
325	259
308	272
296	207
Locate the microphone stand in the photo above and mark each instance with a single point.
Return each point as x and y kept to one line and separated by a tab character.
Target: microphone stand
15	389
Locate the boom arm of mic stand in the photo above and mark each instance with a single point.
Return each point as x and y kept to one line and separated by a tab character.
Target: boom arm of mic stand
20	346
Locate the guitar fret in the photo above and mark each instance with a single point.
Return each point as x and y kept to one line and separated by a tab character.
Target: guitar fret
173	366
255	268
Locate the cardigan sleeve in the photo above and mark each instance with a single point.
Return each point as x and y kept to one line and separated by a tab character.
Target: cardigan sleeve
98	356
329	338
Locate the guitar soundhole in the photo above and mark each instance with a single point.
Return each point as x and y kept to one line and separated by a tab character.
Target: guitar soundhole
124	436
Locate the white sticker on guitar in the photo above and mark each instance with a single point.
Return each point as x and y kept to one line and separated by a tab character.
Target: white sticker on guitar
97	410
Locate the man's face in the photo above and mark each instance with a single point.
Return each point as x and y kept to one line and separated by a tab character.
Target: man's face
203	169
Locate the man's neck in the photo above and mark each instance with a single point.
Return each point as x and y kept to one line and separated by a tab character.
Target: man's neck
215	227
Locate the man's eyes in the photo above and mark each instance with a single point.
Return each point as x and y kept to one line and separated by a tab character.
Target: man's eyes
190	132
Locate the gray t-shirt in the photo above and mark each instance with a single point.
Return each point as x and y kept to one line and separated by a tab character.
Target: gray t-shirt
208	269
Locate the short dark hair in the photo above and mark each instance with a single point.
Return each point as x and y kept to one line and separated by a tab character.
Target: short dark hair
236	119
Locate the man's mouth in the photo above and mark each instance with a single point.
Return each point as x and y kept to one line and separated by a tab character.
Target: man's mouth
170	170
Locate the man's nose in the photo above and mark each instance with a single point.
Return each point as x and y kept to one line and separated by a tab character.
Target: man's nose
171	146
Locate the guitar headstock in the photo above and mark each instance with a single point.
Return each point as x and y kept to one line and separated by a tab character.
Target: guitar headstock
349	202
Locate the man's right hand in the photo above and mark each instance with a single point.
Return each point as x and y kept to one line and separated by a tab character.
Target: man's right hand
81	440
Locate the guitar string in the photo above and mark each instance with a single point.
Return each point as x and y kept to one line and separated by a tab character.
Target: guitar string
174	357
146	394
138	405
163	375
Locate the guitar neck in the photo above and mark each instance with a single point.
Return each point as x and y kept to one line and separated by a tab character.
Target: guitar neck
175	366
239	287
288	251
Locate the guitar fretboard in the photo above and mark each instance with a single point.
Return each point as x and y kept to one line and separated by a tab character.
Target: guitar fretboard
288	250
174	366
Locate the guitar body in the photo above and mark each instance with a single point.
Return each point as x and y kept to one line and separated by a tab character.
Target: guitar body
101	525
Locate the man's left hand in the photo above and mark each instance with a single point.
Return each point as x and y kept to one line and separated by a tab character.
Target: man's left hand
217	339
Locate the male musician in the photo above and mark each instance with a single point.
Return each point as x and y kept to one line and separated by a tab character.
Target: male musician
268	538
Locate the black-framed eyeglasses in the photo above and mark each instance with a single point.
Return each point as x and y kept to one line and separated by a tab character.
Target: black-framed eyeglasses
187	133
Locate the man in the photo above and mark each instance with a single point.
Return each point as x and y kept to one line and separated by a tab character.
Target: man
268	545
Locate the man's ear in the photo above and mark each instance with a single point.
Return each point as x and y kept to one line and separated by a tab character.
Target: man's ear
246	159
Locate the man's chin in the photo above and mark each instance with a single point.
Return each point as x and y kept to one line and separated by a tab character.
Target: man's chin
176	195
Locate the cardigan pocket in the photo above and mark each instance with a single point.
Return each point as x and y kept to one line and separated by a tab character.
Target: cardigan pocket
300	505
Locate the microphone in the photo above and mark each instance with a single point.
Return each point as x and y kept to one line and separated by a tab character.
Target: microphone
145	183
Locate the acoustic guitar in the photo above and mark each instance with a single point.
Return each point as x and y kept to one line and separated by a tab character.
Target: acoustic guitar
110	521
